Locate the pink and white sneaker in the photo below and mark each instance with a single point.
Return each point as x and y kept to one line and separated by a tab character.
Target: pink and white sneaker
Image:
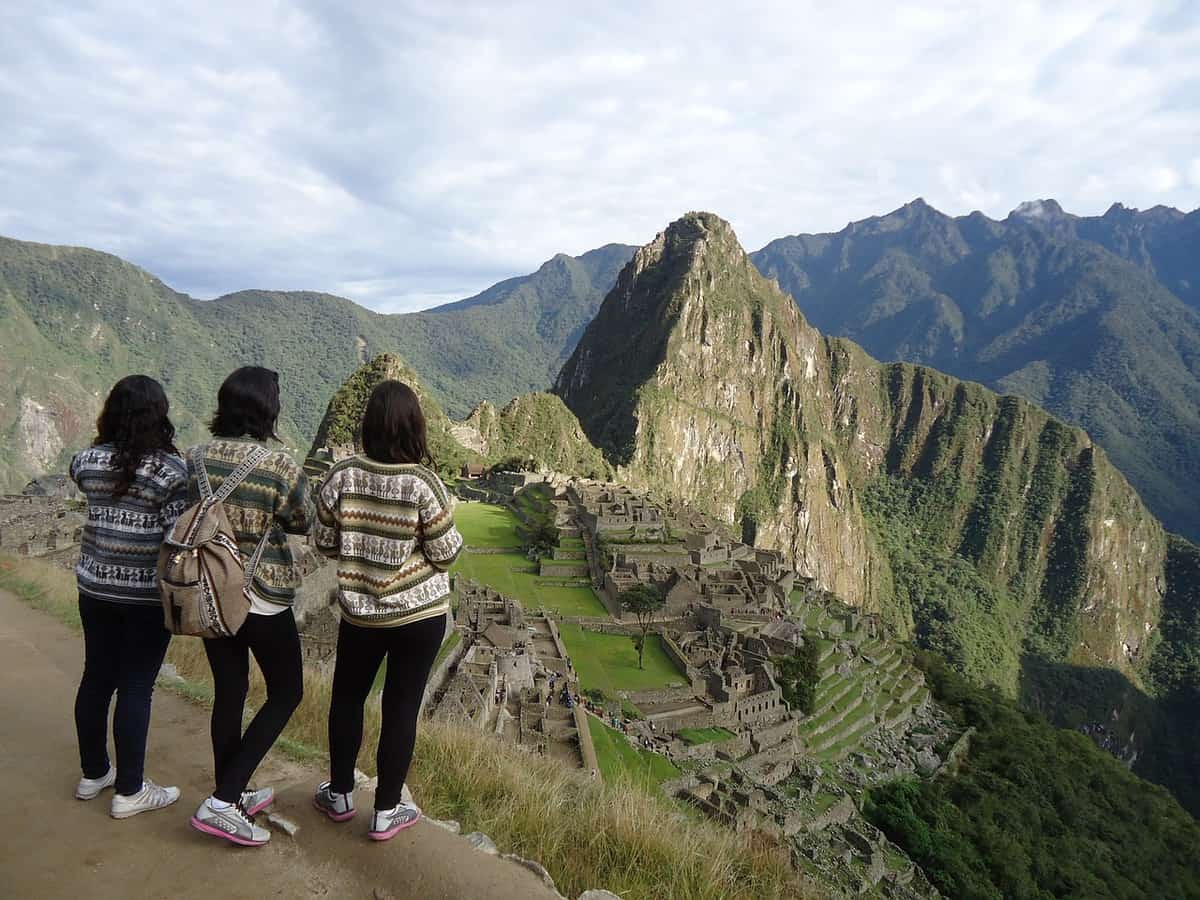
387	823
339	807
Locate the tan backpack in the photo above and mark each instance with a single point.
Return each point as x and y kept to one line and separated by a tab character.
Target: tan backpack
201	576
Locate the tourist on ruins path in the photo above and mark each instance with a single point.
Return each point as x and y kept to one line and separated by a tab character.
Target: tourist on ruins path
136	487
388	521
272	502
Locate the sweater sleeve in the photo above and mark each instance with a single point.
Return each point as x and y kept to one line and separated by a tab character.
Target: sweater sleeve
327	530
296	513
440	539
175	500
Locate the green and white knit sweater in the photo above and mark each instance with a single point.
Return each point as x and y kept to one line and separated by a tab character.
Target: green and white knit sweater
391	529
275	497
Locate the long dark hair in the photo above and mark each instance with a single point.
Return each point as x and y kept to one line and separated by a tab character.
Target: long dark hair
393	426
247	403
134	420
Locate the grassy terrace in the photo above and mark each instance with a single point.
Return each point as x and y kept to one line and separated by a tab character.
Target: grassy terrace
487	525
705	735
515	576
621	761
609	661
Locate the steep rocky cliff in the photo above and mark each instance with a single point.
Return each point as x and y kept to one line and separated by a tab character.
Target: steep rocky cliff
701	378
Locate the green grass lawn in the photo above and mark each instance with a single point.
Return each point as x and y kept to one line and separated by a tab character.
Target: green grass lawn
705	735
609	661
619	760
515	576
486	525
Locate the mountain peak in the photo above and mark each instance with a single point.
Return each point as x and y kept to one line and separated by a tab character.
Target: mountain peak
695	227
1038	210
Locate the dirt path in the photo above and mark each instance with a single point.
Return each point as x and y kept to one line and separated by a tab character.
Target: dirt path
55	846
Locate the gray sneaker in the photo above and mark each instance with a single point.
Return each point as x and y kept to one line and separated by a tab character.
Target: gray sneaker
387	823
339	807
90	788
255	801
151	796
230	823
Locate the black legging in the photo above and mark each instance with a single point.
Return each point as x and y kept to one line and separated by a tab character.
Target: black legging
410	651
124	645
276	647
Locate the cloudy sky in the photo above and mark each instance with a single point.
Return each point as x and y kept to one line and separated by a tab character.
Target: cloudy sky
416	155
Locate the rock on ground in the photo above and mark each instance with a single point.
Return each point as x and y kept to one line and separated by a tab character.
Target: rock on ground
481	841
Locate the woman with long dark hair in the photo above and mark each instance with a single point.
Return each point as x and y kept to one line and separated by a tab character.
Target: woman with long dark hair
272	502
136	487
387	519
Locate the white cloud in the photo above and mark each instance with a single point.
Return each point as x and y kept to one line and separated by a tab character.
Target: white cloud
405	154
1161	178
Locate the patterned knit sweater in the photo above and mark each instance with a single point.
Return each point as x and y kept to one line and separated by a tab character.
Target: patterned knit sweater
391	529
118	552
275	496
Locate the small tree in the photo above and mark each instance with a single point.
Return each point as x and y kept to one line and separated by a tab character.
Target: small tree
798	676
643	600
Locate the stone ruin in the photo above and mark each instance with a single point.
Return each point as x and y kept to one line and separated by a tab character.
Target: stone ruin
46	521
509	676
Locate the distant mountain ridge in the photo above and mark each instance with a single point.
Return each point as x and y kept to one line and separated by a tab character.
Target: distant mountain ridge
1095	318
73	320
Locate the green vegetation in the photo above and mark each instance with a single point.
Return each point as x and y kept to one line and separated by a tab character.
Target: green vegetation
539	534
537	432
1036	812
487	525
958	612
705	735
609	661
798	676
620	761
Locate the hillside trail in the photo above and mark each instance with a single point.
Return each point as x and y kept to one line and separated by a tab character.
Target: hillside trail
56	846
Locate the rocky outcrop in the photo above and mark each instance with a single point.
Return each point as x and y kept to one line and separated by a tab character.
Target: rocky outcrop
341	424
536	431
700	378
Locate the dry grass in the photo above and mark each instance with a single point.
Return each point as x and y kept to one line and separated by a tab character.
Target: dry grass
587	835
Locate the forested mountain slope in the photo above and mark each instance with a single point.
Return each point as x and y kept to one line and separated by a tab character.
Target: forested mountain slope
1097	319
73	320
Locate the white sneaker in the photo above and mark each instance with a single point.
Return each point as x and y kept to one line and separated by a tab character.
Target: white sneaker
151	796
230	823
90	788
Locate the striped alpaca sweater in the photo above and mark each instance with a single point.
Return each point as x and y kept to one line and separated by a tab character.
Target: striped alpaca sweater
118	552
391	529
274	497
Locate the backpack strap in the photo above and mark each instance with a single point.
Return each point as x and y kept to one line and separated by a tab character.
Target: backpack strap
197	457
238	475
228	486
